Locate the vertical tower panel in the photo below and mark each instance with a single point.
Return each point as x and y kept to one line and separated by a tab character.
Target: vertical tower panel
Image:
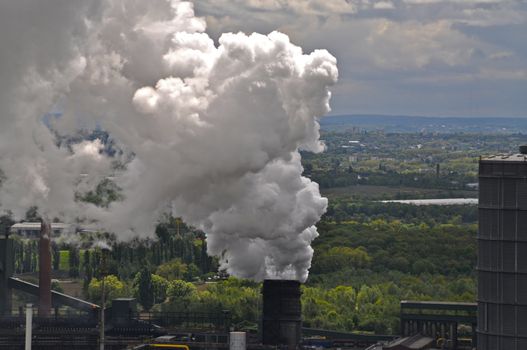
502	253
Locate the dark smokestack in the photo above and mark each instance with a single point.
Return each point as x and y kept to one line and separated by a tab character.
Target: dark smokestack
44	269
7	266
282	313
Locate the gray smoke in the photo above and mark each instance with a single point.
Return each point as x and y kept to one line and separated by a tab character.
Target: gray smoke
211	132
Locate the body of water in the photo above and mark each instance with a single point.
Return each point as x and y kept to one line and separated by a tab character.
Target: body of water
440	201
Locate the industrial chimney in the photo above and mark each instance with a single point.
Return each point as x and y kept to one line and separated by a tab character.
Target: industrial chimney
44	269
282	313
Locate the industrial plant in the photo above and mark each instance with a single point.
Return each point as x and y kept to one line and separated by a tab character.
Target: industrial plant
263	175
59	321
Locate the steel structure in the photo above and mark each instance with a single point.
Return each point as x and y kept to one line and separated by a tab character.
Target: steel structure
57	298
502	253
438	320
124	328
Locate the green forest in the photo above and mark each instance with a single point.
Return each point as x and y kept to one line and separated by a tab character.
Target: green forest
363	266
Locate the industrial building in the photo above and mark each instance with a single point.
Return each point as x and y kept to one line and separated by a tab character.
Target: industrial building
31	230
502	252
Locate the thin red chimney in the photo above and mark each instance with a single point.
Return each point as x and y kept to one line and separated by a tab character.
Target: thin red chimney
44	273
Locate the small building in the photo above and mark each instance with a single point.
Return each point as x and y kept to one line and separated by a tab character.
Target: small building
439	320
31	230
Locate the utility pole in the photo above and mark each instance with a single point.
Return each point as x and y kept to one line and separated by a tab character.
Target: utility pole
29	326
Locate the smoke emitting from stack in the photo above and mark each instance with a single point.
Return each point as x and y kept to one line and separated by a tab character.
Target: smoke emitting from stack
209	132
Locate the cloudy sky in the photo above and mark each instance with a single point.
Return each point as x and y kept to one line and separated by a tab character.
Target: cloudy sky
412	57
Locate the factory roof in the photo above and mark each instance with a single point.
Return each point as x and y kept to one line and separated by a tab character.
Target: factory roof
436	304
505	158
36	226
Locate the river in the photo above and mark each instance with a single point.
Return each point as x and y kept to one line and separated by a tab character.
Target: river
440	201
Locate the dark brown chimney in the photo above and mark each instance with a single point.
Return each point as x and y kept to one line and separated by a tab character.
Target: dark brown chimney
44	269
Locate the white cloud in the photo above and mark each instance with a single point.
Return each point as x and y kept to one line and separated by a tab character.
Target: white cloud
409	40
463	2
414	45
384	5
503	74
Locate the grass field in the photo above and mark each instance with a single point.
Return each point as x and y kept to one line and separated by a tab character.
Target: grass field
385	192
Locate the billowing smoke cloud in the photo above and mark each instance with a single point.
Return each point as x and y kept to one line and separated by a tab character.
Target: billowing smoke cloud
40	56
213	130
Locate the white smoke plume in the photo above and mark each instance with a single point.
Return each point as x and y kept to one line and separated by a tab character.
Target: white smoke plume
39	57
213	129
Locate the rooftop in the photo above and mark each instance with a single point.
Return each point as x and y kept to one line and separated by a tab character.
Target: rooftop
36	226
505	158
412	303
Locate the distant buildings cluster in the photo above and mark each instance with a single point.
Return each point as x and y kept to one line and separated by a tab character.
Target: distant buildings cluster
31	230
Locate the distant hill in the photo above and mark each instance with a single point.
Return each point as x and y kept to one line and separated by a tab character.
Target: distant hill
425	124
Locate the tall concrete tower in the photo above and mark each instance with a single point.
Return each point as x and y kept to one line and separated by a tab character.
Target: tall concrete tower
502	252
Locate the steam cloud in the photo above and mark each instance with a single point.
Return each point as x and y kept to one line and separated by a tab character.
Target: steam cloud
210	132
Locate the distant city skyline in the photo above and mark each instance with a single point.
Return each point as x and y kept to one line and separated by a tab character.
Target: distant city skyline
402	57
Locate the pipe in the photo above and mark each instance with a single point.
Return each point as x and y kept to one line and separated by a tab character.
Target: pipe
44	273
29	325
